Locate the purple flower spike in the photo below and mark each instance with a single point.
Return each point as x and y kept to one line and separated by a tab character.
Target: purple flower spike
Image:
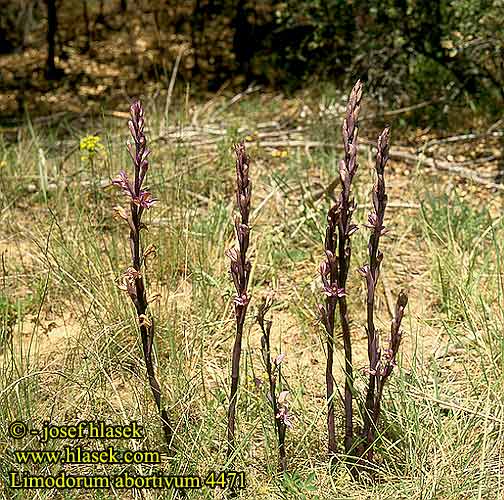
144	200
242	300
273	368
334	270
239	269
141	199
334	291
381	361
279	359
123	182
284	417
132	281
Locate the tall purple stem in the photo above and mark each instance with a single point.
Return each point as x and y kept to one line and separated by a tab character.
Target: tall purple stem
133	281
334	270
240	272
380	366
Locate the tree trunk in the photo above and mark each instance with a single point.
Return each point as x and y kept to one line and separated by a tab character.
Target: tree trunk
52	28
243	40
197	28
85	16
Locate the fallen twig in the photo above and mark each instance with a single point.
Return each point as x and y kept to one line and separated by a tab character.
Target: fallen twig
447	167
400	111
458	138
453	406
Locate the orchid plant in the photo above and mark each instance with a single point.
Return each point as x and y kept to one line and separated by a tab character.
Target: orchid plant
380	363
240	272
334	270
279	403
140	199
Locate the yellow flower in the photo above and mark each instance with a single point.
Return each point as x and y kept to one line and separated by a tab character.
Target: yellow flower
279	154
90	146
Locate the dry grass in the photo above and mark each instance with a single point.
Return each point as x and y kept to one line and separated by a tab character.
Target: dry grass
71	350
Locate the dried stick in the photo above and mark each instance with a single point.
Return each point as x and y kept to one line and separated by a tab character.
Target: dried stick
132	279
240	271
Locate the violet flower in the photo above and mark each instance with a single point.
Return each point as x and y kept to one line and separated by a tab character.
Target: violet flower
132	280
381	363
279	405
240	268
334	270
